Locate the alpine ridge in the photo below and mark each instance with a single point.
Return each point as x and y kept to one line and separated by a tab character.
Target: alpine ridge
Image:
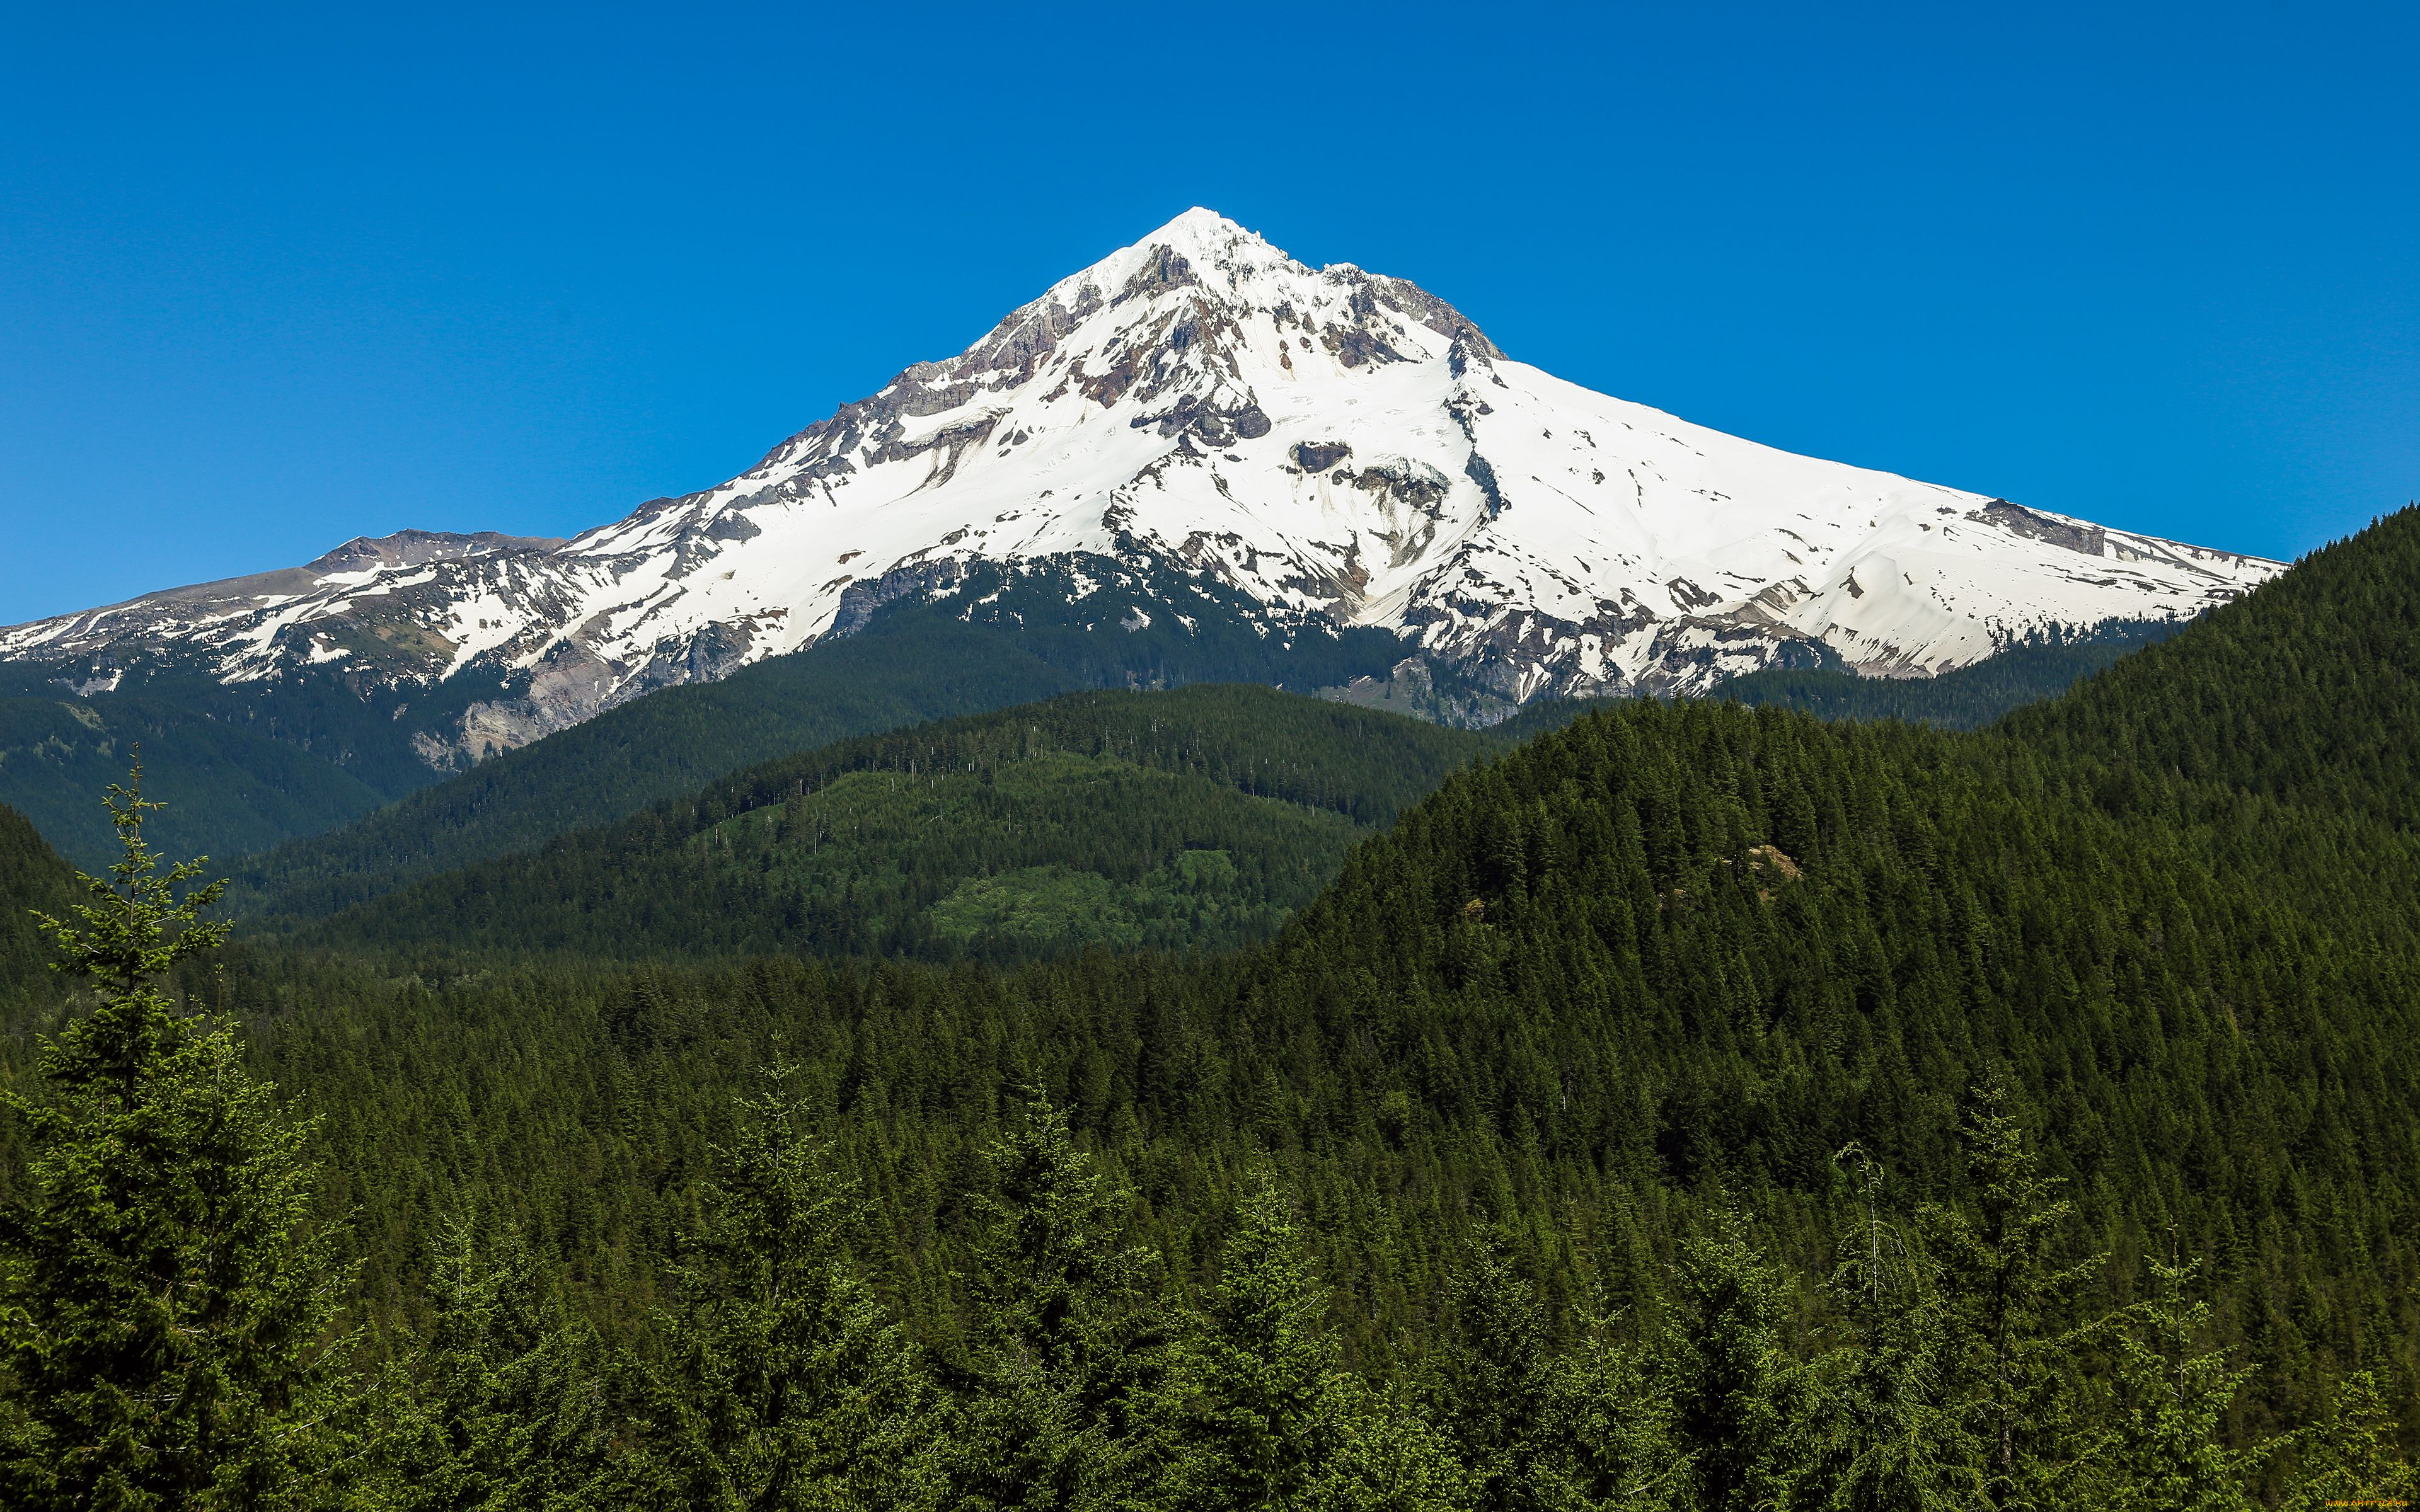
1195	422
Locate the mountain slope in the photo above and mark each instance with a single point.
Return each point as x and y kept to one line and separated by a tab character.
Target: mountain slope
2307	691
229	790
913	662
32	876
1966	698
1324	445
1190	820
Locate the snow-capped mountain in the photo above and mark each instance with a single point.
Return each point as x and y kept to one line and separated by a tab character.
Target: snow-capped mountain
1331	446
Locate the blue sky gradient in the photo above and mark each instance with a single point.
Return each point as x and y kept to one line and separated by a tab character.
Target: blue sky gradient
269	279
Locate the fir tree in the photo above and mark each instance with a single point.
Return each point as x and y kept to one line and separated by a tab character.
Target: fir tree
2353	1456
2167	1450
1263	1400
1883	1441
169	1300
2007	1365
1071	1346
1504	1398
783	1386
511	1411
1737	1396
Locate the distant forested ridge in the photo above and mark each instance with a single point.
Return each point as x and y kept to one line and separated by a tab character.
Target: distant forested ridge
1195	819
32	876
985	646
1966	698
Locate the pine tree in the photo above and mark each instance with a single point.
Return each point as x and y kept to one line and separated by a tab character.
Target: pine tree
2167	1450
783	1384
2352	1456
169	1300
1738	1398
1884	1439
1504	1398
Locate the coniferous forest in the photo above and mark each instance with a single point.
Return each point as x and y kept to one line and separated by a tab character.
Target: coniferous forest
1218	1098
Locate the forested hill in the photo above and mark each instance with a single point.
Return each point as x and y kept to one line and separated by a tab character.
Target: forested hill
230	791
992	642
670	742
1197	818
2307	691
32	876
1968	697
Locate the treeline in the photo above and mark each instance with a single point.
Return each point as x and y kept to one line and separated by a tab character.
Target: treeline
1715	1036
2027	670
1000	638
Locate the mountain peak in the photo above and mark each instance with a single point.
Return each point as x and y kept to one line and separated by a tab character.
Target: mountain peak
1326	446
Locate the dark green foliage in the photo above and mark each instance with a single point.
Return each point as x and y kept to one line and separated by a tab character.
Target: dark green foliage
1263	1402
1968	697
1195	819
32	878
2306	692
165	1294
783	1383
1697	1107
1070	1347
511	1408
2004	1291
283	734
229	789
2162	1449
642	751
961	653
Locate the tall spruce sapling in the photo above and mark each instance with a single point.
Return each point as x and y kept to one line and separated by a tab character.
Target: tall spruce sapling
1883	1438
784	1383
1503	1395
2167	1449
2353	1456
1070	1343
1263	1400
511	1408
168	1303
2009	1305
1738	1399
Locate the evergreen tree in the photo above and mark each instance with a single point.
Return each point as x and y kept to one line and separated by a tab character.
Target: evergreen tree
1389	1458
783	1384
2008	1364
511	1412
1623	1458
1264	1403
2167	1450
167	1300
2352	1456
1884	1439
1503	1397
1737	1396
1071	1346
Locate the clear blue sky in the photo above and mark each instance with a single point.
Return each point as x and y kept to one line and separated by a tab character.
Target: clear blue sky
271	279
